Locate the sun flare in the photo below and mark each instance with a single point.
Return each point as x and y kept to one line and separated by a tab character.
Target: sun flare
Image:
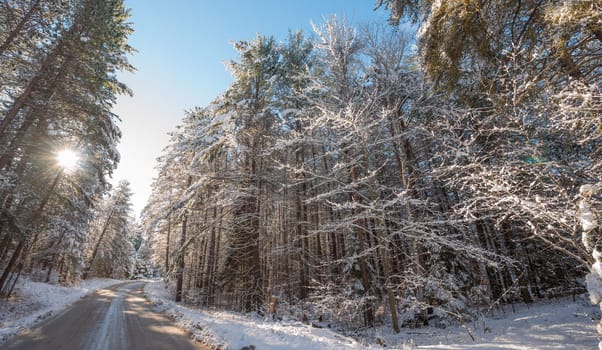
67	159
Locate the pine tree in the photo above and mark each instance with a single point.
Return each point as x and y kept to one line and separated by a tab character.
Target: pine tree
248	100
111	240
526	72
64	56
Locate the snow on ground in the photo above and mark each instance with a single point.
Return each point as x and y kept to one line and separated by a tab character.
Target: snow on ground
231	330
546	325
32	302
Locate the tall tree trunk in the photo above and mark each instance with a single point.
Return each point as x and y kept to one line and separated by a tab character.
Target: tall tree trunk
36	82
211	253
37	218
390	295
255	262
182	254
299	225
51	261
105	227
181	264
10	266
383	244
167	244
17	30
216	256
299	239
34	115
369	310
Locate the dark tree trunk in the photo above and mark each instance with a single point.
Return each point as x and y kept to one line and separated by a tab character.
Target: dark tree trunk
97	245
15	32
182	253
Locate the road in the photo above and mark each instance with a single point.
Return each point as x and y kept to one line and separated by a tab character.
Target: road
118	317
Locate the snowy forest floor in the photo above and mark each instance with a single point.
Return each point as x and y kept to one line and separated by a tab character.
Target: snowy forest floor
32	302
553	324
545	325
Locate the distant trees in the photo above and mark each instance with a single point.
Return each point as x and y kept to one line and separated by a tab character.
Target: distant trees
58	65
111	249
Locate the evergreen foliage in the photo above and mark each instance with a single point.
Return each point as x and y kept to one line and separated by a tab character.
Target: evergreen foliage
58	66
346	175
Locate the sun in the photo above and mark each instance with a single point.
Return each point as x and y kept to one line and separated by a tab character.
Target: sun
67	159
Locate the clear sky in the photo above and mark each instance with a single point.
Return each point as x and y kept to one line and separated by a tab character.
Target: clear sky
182	46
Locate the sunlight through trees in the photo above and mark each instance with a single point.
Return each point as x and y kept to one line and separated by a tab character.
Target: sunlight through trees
357	175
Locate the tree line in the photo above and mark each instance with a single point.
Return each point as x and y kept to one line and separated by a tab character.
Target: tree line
351	176
355	174
58	82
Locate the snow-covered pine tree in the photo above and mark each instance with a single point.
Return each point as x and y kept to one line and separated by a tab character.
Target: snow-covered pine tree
248	101
110	241
188	187
61	102
530	135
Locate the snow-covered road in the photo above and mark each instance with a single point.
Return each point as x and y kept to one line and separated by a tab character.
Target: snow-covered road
117	317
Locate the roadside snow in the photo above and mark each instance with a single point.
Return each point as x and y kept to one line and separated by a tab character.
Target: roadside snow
546	325
230	330
32	302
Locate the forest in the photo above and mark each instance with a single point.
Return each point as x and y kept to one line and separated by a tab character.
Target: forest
359	174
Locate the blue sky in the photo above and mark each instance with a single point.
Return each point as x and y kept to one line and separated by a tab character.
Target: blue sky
182	46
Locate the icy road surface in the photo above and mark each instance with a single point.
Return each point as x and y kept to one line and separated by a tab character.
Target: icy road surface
118	317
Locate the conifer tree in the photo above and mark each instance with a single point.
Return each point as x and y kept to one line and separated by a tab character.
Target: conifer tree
110	242
63	58
249	102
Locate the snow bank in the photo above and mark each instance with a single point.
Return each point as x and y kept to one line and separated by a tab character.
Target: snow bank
230	330
32	302
546	325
